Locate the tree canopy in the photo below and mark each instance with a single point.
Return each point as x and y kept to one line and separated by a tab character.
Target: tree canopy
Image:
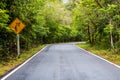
46	22
100	20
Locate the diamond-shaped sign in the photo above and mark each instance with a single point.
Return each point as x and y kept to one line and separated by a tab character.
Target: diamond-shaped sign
17	26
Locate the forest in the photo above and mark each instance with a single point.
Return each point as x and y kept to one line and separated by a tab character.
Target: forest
53	21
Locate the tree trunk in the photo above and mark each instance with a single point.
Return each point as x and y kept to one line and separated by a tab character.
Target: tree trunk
89	34
98	3
111	38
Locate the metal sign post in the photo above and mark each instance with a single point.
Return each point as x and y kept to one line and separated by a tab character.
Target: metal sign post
18	45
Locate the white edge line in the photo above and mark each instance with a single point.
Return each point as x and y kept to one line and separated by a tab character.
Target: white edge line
100	57
3	78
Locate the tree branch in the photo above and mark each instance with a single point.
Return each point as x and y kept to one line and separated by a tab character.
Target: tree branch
98	3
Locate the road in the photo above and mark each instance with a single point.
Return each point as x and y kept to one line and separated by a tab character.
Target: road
65	62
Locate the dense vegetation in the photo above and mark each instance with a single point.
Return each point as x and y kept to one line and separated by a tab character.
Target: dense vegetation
52	21
47	21
99	21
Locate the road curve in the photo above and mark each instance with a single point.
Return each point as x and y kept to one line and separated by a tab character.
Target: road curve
66	62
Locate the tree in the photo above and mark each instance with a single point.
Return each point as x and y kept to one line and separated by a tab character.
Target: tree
97	16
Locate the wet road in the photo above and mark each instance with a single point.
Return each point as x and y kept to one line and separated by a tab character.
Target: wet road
65	62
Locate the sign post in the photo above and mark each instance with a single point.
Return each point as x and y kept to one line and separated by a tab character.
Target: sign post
18	44
17	27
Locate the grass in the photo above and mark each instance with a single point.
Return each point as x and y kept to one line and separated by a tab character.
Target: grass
7	66
105	53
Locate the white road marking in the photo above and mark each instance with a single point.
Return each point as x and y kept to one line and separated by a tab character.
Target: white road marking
99	57
6	76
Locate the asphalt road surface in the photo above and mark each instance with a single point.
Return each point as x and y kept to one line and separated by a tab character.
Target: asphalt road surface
66	62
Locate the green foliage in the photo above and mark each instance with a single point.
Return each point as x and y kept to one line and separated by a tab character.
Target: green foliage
108	28
29	13
45	22
99	19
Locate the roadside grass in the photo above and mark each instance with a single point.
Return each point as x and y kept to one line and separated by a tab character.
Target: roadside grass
7	66
105	53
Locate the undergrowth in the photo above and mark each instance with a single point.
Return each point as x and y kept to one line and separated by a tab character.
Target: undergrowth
103	52
7	65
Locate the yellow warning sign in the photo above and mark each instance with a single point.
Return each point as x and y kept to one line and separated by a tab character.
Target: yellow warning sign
17	26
